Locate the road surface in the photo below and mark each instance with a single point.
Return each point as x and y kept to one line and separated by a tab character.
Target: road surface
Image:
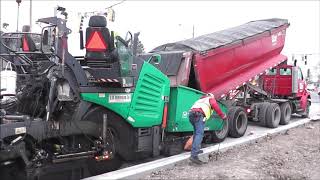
294	154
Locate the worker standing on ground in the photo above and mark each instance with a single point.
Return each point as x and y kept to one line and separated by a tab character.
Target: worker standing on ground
198	114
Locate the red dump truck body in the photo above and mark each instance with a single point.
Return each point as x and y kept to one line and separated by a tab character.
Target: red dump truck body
224	62
227	59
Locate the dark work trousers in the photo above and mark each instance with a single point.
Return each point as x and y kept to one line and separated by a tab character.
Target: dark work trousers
196	119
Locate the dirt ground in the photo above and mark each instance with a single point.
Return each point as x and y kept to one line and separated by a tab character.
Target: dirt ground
294	154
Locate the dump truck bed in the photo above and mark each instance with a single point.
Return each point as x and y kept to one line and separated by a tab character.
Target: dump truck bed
227	59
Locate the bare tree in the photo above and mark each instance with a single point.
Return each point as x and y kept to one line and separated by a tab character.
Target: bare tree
140	48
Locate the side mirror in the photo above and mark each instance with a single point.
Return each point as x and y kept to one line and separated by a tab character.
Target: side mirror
295	63
156	59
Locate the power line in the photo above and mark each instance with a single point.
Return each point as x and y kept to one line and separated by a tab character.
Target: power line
93	12
306	53
116	4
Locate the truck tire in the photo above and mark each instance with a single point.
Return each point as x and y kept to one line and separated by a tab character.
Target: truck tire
285	113
262	113
273	115
219	136
238	121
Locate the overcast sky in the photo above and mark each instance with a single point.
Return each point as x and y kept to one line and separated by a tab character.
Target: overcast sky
167	21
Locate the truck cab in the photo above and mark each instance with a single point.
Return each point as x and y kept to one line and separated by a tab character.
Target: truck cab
286	81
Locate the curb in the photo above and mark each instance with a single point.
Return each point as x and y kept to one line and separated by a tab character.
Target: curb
141	170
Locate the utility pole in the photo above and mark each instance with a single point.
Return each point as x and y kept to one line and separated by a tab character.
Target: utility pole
193	31
18	1
1	21
30	14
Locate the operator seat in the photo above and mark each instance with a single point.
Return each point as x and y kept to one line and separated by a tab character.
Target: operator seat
101	55
100	51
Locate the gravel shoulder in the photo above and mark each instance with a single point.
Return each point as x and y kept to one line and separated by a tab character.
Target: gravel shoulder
294	154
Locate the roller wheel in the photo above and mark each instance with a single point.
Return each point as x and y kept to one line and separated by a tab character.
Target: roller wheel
99	167
13	171
96	115
285	113
219	136
238	121
262	113
273	115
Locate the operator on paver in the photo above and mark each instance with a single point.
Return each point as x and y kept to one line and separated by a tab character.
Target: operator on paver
198	114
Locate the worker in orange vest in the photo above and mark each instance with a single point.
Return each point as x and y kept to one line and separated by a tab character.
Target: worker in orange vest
198	114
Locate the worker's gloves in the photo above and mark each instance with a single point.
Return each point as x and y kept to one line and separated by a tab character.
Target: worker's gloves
225	117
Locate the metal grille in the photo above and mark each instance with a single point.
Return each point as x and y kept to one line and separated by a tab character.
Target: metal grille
149	95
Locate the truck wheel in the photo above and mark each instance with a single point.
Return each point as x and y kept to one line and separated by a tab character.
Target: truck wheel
285	113
273	115
238	121
262	113
219	136
307	111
